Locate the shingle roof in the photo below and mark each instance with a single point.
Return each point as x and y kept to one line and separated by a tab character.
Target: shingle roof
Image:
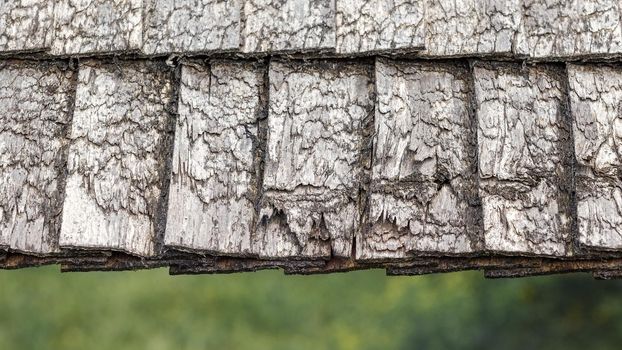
418	136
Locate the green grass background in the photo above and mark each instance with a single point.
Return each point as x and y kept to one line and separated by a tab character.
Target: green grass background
43	309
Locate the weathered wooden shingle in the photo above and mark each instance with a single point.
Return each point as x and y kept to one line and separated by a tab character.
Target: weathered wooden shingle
573	28
120	143
25	25
474	28
190	26
97	26
424	195
214	185
365	26
287	25
35	101
311	163
524	159
595	95
317	120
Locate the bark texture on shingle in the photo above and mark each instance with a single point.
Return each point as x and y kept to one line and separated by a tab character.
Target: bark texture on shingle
318	114
35	102
365	26
97	26
474	28
595	95
424	188
214	184
184	26
573	28
25	25
287	25
120	141
525	164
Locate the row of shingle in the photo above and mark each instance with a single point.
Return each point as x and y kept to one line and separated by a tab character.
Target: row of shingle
519	28
298	160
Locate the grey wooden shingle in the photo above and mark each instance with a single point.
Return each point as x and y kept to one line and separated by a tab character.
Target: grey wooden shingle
25	25
120	142
524	159
424	189
190	26
474	28
314	158
214	184
35	101
84	27
595	93
287	25
365	26
573	28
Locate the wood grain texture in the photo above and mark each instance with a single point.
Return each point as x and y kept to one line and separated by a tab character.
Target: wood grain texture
214	184
573	28
424	196
595	93
365	26
25	25
185	26
474	28
35	113
525	165
121	138
83	27
287	25
233	265
318	116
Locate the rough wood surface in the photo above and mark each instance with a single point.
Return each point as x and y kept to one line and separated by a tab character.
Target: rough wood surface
97	26
474	27
123	262
318	116
549	266
35	112
567	28
25	25
365	26
525	167
120	145
214	182
424	189
595	94
287	25
316	136
15	261
229	265
191	26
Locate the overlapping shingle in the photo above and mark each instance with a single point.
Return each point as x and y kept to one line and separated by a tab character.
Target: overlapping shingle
424	188
287	25
84	27
595	99
214	182
190	26
120	142
524	154
573	28
474	28
365	26
35	112
309	160
25	25
315	155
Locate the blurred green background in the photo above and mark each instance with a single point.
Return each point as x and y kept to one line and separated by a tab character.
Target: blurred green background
42	309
